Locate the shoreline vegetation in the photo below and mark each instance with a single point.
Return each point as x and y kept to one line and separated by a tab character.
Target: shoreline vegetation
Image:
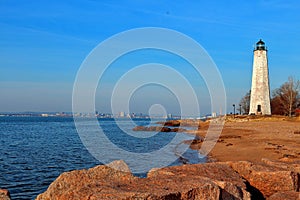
255	157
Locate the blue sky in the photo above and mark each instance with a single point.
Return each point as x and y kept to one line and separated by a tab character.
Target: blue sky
43	43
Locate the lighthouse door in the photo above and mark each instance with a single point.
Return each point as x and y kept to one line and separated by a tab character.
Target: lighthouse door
258	108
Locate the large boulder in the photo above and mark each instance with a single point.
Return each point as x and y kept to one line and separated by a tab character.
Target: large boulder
268	179
100	182
230	184
4	194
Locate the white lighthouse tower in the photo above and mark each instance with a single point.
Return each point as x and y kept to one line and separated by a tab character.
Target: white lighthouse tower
260	89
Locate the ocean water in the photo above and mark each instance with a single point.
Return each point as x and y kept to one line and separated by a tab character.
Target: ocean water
34	151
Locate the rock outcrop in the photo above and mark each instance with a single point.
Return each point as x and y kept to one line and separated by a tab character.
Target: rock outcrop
4	194
220	180
158	129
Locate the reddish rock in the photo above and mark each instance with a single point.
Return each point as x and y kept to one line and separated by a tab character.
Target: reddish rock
220	180
285	166
151	128
270	182
178	130
165	129
100	181
157	129
267	179
230	183
202	181
172	123
4	194
290	195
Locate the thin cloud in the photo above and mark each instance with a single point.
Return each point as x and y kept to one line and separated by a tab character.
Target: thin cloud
44	32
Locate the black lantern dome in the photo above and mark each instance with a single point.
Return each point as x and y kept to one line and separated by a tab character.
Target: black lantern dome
260	45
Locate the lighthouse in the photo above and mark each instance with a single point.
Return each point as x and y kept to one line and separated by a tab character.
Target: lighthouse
260	89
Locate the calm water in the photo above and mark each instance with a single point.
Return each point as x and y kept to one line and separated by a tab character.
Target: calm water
35	150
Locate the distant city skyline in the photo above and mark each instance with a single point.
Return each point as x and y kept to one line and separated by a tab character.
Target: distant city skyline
44	43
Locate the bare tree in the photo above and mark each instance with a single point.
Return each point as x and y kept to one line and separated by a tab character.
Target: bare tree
245	103
286	98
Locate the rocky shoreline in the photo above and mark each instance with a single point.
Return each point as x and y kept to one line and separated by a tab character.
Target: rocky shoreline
254	158
219	180
270	170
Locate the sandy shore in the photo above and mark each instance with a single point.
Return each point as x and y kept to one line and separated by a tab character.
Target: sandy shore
275	139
